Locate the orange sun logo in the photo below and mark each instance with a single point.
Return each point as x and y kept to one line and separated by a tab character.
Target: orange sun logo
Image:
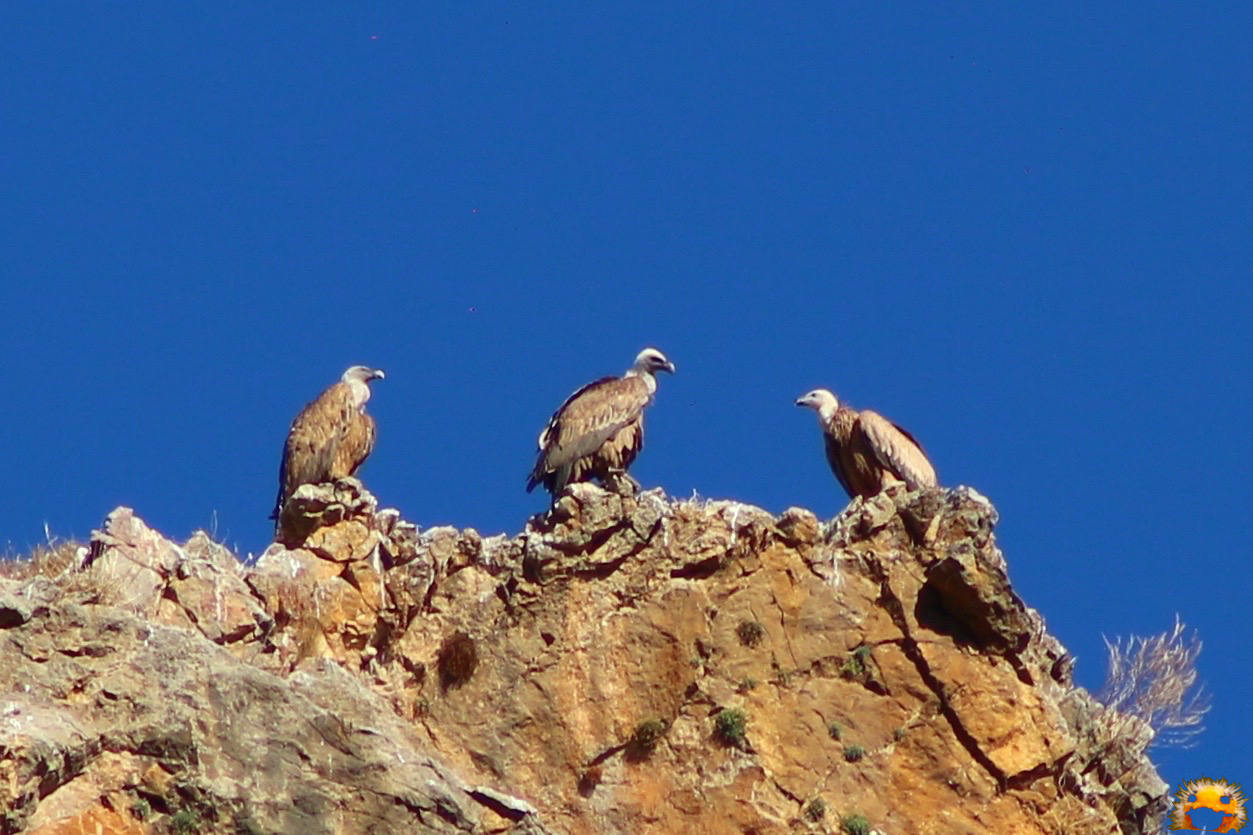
1227	799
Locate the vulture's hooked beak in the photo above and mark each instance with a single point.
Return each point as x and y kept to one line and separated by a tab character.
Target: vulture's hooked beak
669	366
377	374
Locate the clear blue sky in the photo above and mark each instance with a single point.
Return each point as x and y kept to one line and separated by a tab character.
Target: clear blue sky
1022	232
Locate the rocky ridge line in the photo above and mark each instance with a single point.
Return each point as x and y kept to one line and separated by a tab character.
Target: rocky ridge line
625	664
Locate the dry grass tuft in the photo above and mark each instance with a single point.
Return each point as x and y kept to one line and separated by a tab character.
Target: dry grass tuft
51	560
1153	679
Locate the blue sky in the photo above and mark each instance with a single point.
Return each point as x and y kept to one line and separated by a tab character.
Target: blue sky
1021	232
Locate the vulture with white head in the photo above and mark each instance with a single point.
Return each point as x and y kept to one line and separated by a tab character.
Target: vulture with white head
331	436
599	430
866	451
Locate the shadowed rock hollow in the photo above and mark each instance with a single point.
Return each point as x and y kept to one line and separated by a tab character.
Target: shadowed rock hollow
626	664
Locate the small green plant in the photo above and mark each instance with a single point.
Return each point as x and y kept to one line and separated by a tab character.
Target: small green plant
833	730
899	733
644	740
141	809
855	664
750	632
815	809
855	825
853	753
746	684
185	822
730	726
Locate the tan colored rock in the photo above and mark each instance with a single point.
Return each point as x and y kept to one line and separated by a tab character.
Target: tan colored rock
315	507
130	562
366	676
97	820
315	752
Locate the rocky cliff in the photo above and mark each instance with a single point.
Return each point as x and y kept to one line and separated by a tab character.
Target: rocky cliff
626	664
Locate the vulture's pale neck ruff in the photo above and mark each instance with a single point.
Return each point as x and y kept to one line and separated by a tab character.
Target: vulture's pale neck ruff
360	393
642	371
358	389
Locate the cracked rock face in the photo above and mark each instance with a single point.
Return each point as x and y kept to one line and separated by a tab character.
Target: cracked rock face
625	664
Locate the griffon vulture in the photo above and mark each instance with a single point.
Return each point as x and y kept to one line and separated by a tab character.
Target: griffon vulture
866	451
330	437
599	430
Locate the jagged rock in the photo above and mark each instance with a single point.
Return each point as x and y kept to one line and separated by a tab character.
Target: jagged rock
312	507
163	719
366	676
131	562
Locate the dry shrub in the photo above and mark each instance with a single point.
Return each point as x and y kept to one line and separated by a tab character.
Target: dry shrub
61	562
51	560
458	656
1153	679
750	633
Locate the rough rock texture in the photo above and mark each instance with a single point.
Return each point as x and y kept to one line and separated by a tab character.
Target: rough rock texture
626	664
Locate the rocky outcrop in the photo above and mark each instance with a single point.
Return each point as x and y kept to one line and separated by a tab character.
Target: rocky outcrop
625	664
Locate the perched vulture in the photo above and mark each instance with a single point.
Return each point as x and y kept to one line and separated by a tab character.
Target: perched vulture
330	437
866	451
599	430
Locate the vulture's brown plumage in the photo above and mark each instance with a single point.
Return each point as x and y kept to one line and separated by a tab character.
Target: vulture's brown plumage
330	437
599	430
866	451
